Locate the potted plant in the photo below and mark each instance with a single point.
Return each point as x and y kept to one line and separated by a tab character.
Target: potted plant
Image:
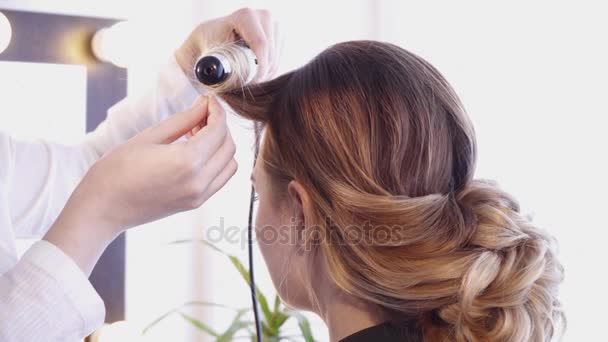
273	318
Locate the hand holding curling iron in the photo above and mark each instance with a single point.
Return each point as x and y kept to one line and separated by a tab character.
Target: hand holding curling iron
255	27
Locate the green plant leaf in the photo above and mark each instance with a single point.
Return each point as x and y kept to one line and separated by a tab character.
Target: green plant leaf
203	241
277	302
266	330
240	268
264	305
280	319
212	304
174	310
200	325
236	325
273	320
261	298
304	325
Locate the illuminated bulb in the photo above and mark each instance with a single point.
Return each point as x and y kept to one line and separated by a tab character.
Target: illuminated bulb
6	32
115	44
135	43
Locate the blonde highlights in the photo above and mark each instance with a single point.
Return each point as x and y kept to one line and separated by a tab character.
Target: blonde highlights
380	141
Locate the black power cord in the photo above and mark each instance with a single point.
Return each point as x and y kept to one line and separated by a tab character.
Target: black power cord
254	295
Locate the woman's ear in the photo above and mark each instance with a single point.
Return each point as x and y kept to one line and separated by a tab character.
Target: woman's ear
301	202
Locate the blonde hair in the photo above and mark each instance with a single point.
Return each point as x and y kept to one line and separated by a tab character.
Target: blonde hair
380	141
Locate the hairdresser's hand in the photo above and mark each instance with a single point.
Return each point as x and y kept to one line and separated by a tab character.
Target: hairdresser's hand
145	179
256	27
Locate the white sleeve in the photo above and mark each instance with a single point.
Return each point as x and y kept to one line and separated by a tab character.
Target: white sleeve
46	297
42	175
172	93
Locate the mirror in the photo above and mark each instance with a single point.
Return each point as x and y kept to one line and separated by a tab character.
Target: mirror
34	107
52	88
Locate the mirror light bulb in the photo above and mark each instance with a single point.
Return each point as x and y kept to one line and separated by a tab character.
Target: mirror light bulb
115	44
6	32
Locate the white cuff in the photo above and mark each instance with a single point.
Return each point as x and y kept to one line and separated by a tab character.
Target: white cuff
71	281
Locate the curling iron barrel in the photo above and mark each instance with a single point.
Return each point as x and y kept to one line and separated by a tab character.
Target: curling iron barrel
226	66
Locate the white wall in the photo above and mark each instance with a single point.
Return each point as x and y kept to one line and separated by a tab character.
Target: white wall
532	75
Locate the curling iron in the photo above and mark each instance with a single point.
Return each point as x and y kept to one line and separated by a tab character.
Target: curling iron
227	65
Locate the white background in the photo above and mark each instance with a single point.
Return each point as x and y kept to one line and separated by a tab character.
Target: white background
532	75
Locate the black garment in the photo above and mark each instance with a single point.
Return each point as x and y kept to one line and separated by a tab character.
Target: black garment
387	332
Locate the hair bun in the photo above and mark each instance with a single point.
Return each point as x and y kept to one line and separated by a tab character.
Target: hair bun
493	214
509	290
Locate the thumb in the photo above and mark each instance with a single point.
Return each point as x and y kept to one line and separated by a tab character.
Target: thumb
178	124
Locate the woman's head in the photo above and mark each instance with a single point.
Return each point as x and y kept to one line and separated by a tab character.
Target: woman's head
365	178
